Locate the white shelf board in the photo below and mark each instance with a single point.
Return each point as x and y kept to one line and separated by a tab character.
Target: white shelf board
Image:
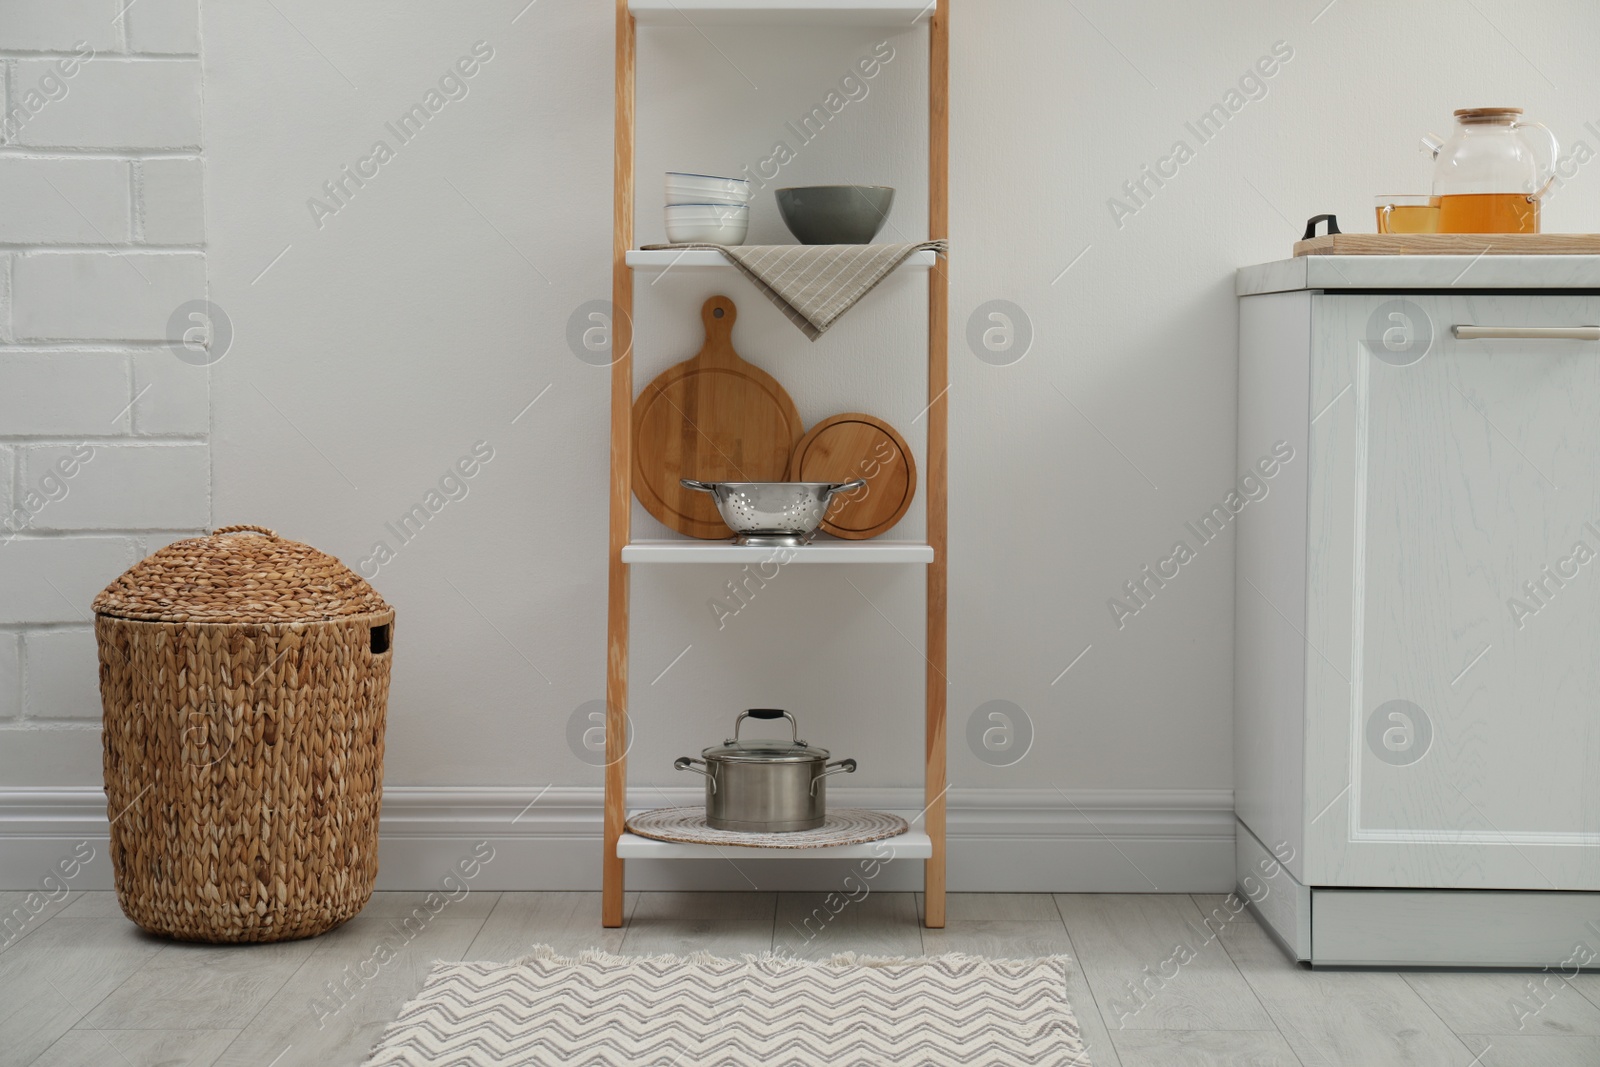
911	845
655	260
686	551
903	14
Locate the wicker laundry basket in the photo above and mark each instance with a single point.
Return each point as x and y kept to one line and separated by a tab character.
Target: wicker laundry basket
245	679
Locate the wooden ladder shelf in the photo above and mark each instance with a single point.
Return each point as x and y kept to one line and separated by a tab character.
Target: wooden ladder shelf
844	12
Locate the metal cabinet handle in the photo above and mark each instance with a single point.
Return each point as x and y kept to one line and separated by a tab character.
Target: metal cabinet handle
1530	333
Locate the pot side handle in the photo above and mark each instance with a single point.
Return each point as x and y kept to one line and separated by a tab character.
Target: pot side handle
844	766
687	763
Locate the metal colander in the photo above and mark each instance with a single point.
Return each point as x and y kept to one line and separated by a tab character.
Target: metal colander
773	513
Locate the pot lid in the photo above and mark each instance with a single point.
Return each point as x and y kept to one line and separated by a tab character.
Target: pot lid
223	577
766	750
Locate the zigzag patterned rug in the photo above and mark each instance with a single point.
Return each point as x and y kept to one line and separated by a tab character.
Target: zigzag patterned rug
704	1011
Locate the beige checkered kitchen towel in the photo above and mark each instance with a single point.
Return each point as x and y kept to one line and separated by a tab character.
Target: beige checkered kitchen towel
815	284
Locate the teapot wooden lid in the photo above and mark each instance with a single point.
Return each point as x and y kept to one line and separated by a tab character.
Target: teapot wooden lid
1486	114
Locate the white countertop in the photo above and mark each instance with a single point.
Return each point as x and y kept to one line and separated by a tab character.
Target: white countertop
1419	272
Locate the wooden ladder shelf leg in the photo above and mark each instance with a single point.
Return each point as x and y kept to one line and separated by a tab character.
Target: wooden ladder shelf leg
934	774
621	478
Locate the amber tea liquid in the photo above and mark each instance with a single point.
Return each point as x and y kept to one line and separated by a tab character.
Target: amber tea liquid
1408	218
1488	213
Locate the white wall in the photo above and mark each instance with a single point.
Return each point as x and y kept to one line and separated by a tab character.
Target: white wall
372	350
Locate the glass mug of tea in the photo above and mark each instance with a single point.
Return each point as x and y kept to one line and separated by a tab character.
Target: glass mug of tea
1407	214
1491	174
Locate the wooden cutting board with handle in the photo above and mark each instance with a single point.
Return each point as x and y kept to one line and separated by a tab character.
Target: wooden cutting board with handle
713	418
854	445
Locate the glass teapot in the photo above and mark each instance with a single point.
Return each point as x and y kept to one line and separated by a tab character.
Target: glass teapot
1490	175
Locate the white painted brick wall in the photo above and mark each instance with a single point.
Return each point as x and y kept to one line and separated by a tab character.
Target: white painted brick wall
55	579
173	397
60	675
123	487
64	393
57	25
169	194
10	676
155	541
102	295
103	160
7	476
5	297
70	201
113	102
164	26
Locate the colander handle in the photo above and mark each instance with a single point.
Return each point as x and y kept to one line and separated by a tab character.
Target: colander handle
245	527
704	487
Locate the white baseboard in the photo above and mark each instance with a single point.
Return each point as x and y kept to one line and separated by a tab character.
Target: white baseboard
1000	840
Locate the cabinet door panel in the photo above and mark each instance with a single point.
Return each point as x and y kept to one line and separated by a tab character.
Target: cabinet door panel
1467	726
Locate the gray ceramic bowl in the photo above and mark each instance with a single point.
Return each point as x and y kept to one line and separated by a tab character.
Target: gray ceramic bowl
835	214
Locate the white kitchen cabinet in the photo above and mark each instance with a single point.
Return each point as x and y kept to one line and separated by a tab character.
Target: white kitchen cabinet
1417	619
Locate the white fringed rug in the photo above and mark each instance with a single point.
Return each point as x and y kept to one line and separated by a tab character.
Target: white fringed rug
705	1011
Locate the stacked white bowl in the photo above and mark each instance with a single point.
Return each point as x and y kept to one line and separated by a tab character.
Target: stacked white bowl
705	208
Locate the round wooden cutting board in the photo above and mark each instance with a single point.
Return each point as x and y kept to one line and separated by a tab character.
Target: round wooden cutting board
854	445
713	418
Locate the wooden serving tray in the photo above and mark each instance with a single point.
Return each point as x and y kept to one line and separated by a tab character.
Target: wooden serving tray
1451	244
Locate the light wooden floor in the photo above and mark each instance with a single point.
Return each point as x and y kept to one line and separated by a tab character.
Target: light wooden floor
83	987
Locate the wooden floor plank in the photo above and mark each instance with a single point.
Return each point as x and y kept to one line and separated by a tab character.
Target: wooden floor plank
137	1048
999	938
460	904
59	973
189	986
21	913
335	1005
567	922
1204	1048
735	907
683	937
722	924
1501	1002
1153	963
93	904
1022	907
819	925
1341	1018
1499	1050
1587	984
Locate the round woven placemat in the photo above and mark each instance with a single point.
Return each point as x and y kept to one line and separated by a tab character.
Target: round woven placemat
843	826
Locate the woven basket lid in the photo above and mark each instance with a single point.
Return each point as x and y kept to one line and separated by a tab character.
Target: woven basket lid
226	577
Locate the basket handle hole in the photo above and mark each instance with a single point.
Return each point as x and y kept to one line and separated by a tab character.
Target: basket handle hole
380	639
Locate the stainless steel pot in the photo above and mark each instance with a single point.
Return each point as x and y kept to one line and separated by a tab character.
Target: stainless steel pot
765	786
